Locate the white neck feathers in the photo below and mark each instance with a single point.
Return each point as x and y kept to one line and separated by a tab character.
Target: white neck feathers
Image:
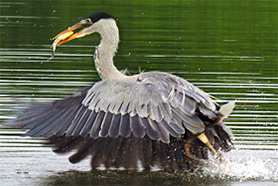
105	52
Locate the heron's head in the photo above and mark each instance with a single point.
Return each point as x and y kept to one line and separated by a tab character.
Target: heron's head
98	22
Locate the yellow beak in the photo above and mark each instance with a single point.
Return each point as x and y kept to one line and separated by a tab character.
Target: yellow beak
67	35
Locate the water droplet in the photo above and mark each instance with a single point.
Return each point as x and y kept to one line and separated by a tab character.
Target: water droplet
51	57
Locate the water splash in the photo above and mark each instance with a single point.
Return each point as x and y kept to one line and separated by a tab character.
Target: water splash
51	57
246	167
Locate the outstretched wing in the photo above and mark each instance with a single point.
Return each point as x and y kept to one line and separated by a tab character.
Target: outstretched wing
158	105
123	123
69	117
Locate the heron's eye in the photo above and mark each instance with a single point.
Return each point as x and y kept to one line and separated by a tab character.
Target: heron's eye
87	21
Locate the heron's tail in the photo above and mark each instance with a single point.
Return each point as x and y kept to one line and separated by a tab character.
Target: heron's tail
218	134
227	109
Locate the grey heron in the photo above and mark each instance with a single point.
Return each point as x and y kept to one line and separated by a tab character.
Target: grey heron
151	119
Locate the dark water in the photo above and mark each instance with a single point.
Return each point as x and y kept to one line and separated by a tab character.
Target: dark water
227	48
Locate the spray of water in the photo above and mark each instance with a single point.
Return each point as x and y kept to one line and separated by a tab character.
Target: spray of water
247	167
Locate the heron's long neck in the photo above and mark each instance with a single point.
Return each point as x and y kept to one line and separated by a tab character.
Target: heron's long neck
105	52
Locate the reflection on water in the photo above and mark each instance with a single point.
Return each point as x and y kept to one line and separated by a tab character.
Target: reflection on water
249	167
212	175
228	49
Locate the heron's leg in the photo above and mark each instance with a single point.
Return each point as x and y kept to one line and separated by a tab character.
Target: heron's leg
205	140
191	159
188	154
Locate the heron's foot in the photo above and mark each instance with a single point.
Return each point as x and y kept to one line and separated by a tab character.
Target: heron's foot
205	140
221	160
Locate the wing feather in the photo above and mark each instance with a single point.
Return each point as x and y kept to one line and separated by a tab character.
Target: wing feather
166	111
96	126
77	119
141	110
194	120
45	122
138	129
125	128
51	126
114	130
105	125
117	106
171	129
58	124
151	129
81	123
164	133
88	125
